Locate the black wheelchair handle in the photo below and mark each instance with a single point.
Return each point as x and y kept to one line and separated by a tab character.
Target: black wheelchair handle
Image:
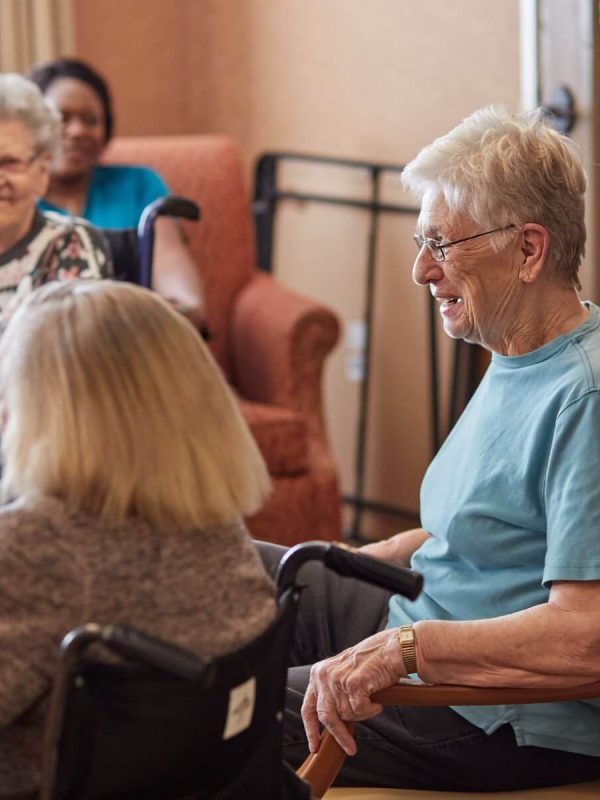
139	646
170	206
133	645
349	563
354	564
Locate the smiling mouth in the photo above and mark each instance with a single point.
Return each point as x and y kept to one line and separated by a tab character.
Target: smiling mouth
75	149
446	302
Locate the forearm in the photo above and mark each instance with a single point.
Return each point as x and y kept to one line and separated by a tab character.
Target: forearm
399	548
546	645
175	276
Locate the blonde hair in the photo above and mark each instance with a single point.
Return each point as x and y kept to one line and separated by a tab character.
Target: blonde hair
503	169
113	403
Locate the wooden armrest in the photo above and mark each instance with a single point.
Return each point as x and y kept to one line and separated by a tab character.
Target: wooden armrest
415	693
320	768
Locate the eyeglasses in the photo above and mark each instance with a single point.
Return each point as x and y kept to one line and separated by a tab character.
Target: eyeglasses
16	166
438	251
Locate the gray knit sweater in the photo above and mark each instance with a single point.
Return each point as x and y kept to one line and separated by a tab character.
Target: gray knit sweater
205	590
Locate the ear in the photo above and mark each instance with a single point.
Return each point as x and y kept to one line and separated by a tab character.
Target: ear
43	179
533	251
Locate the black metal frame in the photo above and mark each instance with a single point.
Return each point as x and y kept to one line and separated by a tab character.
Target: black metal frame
266	199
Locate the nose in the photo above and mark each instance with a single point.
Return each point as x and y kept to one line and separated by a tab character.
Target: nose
426	269
74	126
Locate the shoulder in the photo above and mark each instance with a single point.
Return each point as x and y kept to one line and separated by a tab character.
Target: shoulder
220	543
30	512
586	346
226	552
128	176
577	375
72	249
567	369
232	547
31	535
64	228
57	223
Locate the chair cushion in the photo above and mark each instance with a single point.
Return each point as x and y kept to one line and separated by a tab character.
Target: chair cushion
576	791
281	435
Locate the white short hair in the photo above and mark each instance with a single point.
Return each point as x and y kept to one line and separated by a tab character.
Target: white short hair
21	100
500	169
113	403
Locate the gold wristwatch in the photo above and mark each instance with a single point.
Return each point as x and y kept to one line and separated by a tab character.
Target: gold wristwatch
408	646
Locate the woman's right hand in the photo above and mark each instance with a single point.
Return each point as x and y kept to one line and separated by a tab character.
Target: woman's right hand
340	687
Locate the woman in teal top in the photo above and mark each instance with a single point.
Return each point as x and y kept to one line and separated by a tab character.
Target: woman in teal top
110	196
509	546
116	195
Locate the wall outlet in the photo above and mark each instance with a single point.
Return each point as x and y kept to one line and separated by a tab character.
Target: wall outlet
356	340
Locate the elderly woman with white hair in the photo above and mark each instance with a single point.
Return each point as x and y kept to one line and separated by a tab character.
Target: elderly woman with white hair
35	246
510	506
129	470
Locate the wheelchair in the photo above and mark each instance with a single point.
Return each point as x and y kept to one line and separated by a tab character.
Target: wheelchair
132	250
135	718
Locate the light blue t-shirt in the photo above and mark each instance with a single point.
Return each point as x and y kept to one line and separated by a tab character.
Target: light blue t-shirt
512	501
117	195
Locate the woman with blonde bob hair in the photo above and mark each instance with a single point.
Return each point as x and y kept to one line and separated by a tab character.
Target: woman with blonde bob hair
128	469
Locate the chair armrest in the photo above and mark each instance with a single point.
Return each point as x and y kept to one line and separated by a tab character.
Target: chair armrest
279	343
320	768
415	693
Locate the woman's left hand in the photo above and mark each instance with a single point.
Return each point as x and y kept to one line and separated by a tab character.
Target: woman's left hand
340	687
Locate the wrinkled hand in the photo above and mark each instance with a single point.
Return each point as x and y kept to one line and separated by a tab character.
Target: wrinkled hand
340	687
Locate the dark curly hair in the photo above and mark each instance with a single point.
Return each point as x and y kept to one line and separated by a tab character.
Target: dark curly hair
43	75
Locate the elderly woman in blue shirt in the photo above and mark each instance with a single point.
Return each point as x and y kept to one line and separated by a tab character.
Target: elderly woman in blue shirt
510	507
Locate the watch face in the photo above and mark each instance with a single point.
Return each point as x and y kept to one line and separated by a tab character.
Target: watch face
408	648
406	634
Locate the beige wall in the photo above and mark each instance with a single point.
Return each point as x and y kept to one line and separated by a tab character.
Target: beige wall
373	80
365	79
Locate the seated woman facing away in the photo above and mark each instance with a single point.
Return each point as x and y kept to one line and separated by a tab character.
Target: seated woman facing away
34	246
128	469
109	196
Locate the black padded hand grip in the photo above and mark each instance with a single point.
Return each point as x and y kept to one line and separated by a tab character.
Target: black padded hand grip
353	564
174	206
137	646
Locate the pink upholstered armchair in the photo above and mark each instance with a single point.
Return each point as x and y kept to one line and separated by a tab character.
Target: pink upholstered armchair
270	342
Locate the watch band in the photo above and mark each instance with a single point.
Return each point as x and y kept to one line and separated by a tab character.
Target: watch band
408	646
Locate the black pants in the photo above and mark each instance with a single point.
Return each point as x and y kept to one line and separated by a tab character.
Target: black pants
419	748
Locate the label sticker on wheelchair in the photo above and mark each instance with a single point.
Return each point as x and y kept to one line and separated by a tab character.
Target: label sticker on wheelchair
241	708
